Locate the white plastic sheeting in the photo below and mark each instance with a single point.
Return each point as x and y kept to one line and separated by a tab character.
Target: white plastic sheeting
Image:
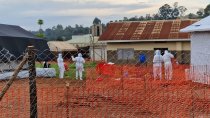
40	72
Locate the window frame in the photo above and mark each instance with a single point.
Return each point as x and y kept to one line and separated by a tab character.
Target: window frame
123	51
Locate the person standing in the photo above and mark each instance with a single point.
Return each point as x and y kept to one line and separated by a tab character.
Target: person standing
168	65
46	64
79	65
157	65
61	66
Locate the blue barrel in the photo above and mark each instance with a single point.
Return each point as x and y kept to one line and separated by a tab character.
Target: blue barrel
142	58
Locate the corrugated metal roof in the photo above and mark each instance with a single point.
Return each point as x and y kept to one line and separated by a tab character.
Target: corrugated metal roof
82	39
61	46
146	30
202	25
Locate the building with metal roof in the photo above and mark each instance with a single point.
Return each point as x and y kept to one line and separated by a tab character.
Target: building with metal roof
127	40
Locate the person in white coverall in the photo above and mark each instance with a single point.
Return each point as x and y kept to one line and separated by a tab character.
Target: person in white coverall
168	65
61	66
79	65
157	65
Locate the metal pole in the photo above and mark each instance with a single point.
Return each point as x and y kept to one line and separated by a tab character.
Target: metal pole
32	82
93	48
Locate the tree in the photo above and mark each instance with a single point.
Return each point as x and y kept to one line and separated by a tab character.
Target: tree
41	32
68	31
135	18
207	10
141	18
182	10
125	18
168	12
165	12
40	22
148	17
200	12
96	21
59	38
61	33
156	17
175	11
40	35
192	16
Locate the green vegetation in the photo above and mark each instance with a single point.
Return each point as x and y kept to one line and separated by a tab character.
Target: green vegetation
40	34
40	22
71	72
61	33
167	11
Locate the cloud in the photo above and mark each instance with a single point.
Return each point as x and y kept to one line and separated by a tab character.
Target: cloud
73	12
113	2
26	12
143	11
84	9
192	5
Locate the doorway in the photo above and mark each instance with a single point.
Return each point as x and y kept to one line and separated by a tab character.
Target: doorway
161	50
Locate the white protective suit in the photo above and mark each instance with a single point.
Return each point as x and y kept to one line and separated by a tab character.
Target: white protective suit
61	66
168	65
79	65
157	65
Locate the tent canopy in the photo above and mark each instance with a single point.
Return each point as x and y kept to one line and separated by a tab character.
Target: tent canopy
16	39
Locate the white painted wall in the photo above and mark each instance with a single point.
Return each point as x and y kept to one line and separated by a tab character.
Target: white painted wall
200	57
200	48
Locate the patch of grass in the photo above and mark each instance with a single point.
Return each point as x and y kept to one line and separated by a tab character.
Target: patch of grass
71	73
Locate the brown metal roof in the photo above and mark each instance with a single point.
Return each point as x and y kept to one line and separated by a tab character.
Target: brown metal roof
145	30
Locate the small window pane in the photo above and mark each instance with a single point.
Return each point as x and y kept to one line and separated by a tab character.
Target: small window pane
125	54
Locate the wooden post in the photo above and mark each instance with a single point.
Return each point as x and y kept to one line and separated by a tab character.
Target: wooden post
67	100
122	77
145	84
93	44
32	82
192	115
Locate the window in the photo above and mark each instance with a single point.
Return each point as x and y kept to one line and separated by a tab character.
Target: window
98	31
125	54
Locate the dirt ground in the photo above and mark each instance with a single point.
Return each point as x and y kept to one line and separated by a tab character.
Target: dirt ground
53	101
110	96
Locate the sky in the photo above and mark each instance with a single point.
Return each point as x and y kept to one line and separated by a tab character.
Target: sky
25	13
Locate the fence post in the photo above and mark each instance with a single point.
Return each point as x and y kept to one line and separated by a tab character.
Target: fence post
32	82
67	100
192	115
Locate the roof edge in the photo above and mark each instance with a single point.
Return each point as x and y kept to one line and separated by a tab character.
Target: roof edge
145	40
170	20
